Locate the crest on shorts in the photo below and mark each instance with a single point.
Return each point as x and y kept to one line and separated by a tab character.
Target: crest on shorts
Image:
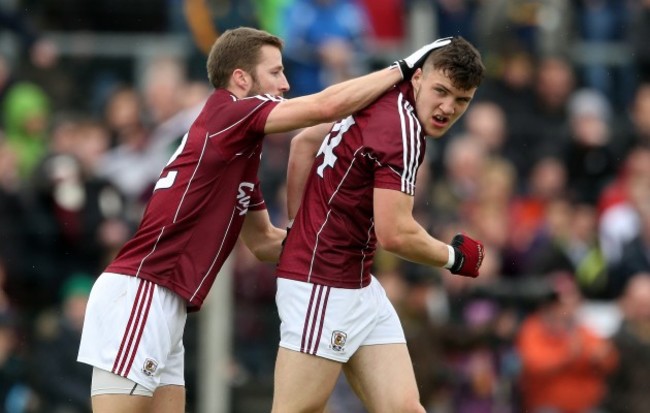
149	367
338	340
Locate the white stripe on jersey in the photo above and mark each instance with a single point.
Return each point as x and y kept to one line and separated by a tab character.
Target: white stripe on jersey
372	225
243	118
313	254
152	251
410	144
189	183
215	257
354	158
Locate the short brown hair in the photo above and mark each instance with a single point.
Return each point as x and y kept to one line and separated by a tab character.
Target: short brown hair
237	49
460	61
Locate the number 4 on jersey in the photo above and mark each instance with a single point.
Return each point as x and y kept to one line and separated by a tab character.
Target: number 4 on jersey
331	141
168	180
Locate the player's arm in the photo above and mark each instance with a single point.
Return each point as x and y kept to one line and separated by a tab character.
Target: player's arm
331	104
345	98
399	233
260	236
304	147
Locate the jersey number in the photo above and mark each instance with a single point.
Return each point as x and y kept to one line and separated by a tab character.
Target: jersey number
168	180
331	141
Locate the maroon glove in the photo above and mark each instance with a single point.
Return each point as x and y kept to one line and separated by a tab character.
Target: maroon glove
468	256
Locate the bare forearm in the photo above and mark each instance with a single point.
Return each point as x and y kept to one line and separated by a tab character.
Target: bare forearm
268	247
304	148
352	95
414	244
260	236
334	103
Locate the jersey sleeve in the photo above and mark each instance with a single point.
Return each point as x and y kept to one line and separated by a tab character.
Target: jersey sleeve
239	124
393	136
267	103
257	199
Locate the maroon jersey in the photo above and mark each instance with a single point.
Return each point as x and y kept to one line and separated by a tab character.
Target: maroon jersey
196	212
332	241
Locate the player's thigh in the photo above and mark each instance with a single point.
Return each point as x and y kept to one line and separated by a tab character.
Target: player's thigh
122	403
169	399
166	399
382	375
112	393
303	382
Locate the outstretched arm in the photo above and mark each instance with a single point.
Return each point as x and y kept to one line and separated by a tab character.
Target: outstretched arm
331	104
261	237
345	98
304	147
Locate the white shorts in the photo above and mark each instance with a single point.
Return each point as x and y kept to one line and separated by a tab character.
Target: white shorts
134	328
334	322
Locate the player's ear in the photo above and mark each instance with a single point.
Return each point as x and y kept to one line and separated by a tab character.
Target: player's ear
416	79
241	79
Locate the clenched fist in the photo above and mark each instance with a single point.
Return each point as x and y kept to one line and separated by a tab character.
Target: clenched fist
468	256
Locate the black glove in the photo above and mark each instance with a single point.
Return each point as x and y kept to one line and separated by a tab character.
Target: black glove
410	64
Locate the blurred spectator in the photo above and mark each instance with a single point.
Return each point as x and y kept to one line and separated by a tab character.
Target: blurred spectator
67	214
636	253
146	130
475	331
464	159
489	212
546	183
639	118
620	203
423	306
126	164
62	383
12	240
554	86
486	121
164	85
564	364
511	88
628	385
589	152
511	82
40	50
577	253
534	96
325	43
26	114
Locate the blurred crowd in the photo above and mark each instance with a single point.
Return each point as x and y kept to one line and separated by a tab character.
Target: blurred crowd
550	168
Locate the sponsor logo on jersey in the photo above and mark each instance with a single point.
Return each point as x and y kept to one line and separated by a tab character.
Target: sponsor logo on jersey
338	340
244	197
149	367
